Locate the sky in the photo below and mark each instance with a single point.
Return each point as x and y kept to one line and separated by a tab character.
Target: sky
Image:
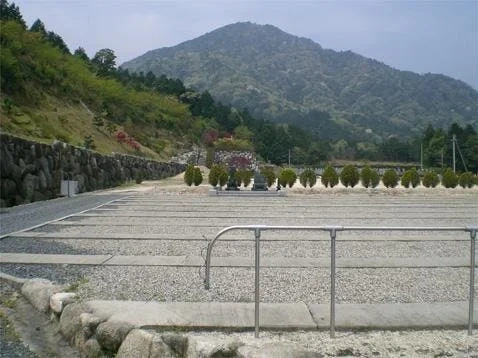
416	35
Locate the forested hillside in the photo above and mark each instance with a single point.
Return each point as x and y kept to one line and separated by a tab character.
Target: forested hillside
47	93
334	95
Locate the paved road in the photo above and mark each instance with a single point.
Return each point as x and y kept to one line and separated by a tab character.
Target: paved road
25	216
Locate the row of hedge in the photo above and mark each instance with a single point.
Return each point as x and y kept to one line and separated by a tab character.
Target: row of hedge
369	178
350	176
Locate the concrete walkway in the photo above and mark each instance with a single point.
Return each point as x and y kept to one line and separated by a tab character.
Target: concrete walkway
233	261
222	315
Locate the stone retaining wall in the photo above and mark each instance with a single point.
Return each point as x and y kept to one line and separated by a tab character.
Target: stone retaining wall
31	171
237	159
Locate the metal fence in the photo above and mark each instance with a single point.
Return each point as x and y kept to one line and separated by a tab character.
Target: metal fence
333	236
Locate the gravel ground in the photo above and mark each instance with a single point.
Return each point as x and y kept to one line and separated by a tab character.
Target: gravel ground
393	344
310	249
164	224
362	208
237	284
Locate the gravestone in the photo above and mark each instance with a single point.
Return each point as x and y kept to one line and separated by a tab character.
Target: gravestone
232	182
259	182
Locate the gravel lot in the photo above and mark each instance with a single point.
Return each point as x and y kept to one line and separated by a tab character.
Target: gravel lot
180	221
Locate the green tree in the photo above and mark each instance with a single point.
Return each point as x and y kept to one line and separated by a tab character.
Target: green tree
410	177
434	149
430	179
244	177
466	180
269	175
243	132
81	53
223	176
197	176
308	177
449	179
369	177
105	62
390	178
89	142
287	177
349	176
329	177
374	179
189	175
11	12
38	26
218	175
57	41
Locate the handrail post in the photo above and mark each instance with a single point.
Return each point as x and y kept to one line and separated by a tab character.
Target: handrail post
333	235
472	280
207	269
257	233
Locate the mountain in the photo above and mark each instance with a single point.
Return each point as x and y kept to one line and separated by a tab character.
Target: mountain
284	78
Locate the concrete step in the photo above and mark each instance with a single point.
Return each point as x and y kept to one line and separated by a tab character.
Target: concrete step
238	315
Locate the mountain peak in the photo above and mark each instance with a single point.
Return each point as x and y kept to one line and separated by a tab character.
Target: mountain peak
242	35
282	77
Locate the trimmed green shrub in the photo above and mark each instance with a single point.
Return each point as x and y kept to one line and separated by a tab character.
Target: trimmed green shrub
410	177
217	174
223	176
189	175
369	177
449	179
329	177
287	177
247	178
269	175
430	179
390	178
475	179
197	176
466	180
349	176
244	177
308	176
375	179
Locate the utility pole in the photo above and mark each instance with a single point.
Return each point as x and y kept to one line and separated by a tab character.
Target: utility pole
289	158
421	156
453	140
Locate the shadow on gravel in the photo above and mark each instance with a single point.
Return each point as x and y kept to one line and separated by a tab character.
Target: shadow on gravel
40	246
61	274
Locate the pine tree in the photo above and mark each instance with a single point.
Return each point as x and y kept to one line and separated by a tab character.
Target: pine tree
11	12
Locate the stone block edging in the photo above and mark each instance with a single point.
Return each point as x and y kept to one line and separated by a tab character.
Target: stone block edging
95	335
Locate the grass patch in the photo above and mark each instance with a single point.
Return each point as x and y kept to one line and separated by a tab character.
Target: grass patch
9	332
75	286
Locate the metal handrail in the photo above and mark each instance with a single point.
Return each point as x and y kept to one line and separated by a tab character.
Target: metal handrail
333	236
